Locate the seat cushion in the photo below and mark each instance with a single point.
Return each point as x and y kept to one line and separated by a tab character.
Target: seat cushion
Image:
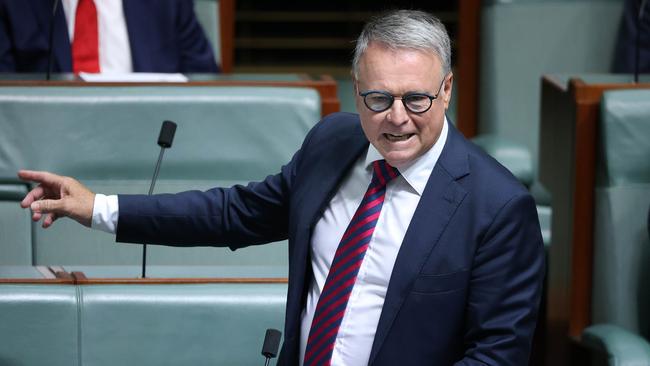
38	325
203	324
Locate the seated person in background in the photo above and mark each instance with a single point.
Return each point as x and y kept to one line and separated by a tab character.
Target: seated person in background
408	245
626	47
103	36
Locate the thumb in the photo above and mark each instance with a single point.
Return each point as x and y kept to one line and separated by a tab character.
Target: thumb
47	206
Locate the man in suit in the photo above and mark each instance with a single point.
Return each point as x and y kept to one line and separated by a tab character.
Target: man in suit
635	27
408	245
158	35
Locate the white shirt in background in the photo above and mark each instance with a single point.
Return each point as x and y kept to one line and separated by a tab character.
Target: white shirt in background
114	46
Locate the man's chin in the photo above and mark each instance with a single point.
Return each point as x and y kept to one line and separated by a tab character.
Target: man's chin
398	158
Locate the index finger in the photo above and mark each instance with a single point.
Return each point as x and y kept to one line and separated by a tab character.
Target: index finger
39	176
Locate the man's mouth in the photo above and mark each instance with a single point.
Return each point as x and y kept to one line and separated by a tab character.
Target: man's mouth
397	137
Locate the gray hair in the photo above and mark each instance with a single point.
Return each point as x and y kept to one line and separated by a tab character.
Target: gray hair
411	29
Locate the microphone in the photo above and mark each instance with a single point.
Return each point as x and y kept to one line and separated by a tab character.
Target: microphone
165	139
51	40
637	49
271	344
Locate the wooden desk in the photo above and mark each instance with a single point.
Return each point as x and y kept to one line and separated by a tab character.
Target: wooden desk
34	275
570	111
160	275
325	85
157	275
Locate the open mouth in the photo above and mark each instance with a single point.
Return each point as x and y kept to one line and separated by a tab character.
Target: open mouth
396	138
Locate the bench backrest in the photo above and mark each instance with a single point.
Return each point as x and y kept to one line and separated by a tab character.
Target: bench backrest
106	137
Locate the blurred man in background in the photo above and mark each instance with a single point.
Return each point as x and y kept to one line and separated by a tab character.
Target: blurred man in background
117	36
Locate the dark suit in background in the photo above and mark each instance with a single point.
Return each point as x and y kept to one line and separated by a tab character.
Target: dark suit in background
164	36
467	280
625	56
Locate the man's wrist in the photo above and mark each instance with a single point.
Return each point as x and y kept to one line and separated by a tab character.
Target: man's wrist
105	213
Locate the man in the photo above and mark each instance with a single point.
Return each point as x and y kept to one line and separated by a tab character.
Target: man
635	19
407	244
103	36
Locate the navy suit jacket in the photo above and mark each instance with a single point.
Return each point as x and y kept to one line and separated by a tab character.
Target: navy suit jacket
164	36
466	283
625	54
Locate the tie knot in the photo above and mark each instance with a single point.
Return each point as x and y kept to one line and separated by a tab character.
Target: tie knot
383	172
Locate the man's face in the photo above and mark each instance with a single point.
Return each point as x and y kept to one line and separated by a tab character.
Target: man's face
397	133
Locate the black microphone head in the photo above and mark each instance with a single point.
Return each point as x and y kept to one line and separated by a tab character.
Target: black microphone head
271	343
167	131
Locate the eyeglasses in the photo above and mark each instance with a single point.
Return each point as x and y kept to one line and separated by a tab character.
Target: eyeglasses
380	100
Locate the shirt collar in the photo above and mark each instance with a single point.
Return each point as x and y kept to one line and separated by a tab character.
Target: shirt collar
417	172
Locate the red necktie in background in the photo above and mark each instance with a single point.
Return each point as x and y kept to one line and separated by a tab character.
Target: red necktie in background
85	44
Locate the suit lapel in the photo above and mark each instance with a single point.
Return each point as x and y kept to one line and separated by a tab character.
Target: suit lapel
439	201
139	36
331	171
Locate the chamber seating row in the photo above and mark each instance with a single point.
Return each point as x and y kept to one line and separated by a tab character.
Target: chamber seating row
509	102
59	322
620	297
106	137
517	46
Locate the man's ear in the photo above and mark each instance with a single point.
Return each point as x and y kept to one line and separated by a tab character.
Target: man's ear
449	83
355	86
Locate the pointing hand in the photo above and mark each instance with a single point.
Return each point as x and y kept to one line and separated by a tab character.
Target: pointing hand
57	196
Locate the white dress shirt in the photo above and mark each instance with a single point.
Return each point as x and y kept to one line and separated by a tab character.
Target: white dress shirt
357	330
114	46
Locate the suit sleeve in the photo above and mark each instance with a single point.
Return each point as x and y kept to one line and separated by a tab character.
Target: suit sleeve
505	288
196	53
238	216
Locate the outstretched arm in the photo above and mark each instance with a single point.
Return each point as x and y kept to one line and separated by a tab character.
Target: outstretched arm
57	196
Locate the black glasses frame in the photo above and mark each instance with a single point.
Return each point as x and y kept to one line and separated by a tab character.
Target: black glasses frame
404	97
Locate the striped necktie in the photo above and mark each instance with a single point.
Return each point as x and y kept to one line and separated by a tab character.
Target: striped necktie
345	267
85	44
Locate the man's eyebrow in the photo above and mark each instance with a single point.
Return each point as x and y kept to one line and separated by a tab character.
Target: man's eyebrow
408	92
416	92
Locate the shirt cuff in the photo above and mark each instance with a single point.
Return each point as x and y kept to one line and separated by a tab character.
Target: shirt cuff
105	213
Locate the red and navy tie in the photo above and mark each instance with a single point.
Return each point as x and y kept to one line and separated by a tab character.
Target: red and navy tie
345	267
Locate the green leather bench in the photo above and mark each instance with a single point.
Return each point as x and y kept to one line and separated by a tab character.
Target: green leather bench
136	324
106	137
203	324
15	226
620	297
38	324
521	40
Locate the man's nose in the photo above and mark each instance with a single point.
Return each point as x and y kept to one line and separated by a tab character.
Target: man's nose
397	113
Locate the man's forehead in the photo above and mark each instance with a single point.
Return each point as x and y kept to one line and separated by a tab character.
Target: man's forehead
377	51
381	46
380	61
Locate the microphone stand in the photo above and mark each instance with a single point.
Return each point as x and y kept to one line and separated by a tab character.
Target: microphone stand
165	139
153	183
